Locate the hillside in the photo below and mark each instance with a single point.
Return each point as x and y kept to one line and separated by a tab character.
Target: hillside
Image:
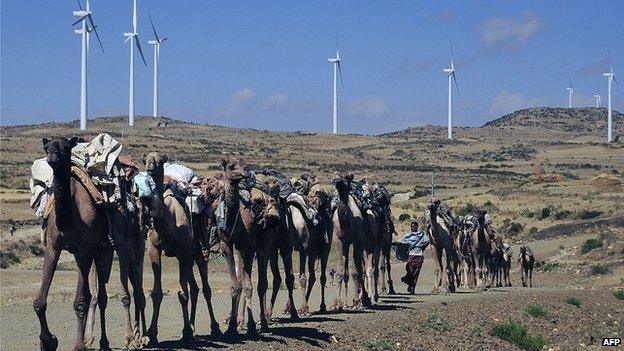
577	120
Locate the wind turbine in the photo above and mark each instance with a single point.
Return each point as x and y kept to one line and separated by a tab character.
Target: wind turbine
610	78
597	97
86	20
450	74
570	90
337	70
156	42
133	37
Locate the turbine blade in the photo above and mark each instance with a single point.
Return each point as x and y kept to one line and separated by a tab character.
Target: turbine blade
609	55
153	28
79	5
455	80
79	20
138	44
340	72
96	32
615	80
451	46
163	39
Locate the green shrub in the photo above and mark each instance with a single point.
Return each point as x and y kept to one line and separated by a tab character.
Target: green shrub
517	334
378	345
562	214
404	217
435	323
36	250
550	266
619	294
469	208
534	310
574	301
533	230
590	244
589	214
600	270
544	213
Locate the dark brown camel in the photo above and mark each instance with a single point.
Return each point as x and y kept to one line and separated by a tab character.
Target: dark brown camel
506	264
441	240
467	262
527	261
385	267
348	230
171	232
77	225
481	249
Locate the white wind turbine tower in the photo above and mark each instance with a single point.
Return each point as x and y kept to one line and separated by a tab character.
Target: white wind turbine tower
85	18
597	97
450	74
337	71
156	42
610	78
133	37
570	90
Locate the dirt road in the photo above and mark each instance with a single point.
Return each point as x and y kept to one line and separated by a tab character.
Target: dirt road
446	321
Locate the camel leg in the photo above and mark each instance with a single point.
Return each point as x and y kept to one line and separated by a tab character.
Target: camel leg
324	256
156	294
437	253
235	288
531	277
277	283
103	264
450	271
303	281
136	279
248	291
202	265
342	276
361	296
193	294
124	275
382	273
286	253
389	272
82	299
263	260
90	325
185	265
376	257
48	341
311	276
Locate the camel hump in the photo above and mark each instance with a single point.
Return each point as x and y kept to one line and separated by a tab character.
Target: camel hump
80	174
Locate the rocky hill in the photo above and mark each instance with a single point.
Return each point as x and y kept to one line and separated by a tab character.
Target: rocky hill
585	119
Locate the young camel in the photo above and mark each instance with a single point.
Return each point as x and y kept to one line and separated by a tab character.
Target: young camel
441	240
386	252
506	264
348	230
171	232
481	248
527	261
74	224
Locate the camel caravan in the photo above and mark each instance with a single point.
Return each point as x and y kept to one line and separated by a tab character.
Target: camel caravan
95	201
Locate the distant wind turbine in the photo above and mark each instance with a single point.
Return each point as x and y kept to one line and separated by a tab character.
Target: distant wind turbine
610	78
597	97
570	90
337	71
450	74
156	42
86	20
133	37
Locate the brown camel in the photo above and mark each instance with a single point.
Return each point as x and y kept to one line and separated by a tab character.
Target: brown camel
129	242
467	262
481	245
312	241
386	252
348	230
527	261
75	224
441	239
171	232
237	239
506	264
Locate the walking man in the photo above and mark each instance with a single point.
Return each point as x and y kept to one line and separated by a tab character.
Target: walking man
418	241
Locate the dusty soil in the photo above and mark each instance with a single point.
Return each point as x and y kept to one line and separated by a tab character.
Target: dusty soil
396	323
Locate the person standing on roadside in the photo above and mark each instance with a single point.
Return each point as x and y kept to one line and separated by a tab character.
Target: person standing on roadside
418	241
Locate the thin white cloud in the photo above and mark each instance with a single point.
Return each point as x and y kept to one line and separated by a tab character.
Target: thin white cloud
370	106
507	101
502	32
275	101
240	101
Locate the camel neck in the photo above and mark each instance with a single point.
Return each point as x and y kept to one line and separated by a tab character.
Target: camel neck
232	200
158	174
62	195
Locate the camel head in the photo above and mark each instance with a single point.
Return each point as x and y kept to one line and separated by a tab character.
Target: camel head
342	182
319	198
154	161
481	217
433	205
234	170
58	151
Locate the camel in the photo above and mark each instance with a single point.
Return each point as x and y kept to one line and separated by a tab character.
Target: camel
312	241
76	224
171	232
129	242
506	264
348	230
441	239
527	261
467	263
385	267
481	248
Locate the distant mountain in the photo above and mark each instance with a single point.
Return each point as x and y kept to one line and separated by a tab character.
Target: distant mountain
561	119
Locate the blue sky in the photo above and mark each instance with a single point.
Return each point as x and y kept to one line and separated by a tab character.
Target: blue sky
264	64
